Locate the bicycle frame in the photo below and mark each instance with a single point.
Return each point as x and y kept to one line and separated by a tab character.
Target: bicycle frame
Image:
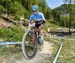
37	34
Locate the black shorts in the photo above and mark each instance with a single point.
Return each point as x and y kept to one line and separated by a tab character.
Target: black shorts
38	23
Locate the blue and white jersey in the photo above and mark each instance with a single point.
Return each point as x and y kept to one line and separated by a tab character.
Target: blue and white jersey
37	17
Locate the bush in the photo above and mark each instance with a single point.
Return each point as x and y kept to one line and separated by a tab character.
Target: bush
2	10
11	34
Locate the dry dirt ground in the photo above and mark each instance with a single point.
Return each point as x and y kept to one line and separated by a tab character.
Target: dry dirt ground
41	56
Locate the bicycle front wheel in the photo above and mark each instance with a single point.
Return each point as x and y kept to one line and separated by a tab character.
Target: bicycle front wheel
29	44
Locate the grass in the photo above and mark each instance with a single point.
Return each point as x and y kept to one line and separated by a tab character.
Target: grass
55	46
50	25
11	34
11	54
67	54
54	27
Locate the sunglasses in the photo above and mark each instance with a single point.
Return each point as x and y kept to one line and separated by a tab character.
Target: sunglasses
34	11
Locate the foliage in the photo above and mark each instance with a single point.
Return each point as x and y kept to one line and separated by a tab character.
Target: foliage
23	7
69	55
2	9
61	15
11	34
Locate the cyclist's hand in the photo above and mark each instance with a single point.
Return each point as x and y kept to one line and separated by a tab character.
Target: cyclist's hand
43	21
32	23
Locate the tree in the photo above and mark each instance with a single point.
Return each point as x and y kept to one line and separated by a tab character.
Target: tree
2	9
23	7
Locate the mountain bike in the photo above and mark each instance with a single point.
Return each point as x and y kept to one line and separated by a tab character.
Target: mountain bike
29	42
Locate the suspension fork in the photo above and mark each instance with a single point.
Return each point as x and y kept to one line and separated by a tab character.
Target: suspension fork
37	34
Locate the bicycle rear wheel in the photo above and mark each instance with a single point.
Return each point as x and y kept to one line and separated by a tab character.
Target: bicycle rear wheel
29	44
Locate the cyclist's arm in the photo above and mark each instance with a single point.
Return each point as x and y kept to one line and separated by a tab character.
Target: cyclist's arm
43	18
30	22
31	18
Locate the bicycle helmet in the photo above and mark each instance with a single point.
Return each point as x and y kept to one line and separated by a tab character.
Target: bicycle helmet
34	7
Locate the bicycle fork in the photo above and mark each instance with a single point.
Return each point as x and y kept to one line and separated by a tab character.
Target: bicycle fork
37	34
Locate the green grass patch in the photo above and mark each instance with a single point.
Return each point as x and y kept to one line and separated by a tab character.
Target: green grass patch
11	53
11	34
67	54
50	25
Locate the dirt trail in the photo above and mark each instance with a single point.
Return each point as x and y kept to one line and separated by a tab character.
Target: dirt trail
42	56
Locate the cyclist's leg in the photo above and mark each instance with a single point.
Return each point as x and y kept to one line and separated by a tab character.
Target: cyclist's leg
41	30
41	34
39	26
41	39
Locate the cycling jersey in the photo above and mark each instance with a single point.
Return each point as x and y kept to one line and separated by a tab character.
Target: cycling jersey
39	16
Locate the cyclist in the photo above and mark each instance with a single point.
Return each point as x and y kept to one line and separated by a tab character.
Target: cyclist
39	19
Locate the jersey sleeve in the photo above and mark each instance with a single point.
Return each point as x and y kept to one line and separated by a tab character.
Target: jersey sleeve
31	17
43	16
